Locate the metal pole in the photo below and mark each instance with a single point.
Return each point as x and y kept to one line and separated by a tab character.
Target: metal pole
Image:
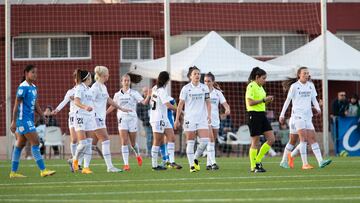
325	115
8	77
167	40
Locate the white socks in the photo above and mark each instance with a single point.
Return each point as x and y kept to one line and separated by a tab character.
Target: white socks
136	149
88	153
303	153
288	148
106	153
73	149
125	154
171	151
201	147
80	150
295	151
210	158
316	149
154	155
190	151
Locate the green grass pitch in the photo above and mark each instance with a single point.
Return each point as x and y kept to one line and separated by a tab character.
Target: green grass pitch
338	182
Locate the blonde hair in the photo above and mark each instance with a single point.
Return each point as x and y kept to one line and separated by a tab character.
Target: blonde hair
99	71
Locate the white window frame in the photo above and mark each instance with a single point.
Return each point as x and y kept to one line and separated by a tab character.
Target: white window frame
342	34
138	49
261	35
49	58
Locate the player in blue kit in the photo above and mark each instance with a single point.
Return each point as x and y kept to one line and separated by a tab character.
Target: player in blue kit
22	123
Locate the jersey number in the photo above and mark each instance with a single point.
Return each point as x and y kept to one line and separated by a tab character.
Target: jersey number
153	105
80	120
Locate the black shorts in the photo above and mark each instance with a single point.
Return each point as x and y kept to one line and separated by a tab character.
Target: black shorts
258	123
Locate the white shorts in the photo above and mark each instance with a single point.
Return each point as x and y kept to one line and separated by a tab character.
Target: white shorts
129	124
100	123
71	121
84	122
292	129
192	126
215	124
160	126
302	123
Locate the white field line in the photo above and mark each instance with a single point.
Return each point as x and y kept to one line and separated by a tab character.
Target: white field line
258	199
77	194
170	183
250	176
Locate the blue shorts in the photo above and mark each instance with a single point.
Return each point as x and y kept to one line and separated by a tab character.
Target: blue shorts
25	126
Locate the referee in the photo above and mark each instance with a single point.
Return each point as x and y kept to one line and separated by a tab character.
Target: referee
256	100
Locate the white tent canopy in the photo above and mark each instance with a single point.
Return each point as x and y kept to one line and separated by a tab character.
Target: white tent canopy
343	61
211	53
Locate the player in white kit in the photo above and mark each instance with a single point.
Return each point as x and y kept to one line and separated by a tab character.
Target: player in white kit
127	121
302	94
161	126
101	99
197	116
69	97
84	120
216	98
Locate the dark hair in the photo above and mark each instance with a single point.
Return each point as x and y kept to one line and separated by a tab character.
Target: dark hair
287	83
191	69
134	78
27	69
162	79
212	76
256	72
81	75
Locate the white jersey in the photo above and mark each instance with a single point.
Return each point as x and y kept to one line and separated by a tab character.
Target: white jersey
158	110
86	97
195	105
127	100
100	97
216	97
67	98
301	95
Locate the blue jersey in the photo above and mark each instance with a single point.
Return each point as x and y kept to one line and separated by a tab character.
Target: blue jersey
28	94
170	113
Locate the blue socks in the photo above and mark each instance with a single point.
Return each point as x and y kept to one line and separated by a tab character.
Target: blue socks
163	152
15	158
37	156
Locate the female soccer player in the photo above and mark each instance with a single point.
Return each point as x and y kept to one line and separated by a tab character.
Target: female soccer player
101	99
216	97
127	121
302	94
69	97
289	148
22	123
256	100
197	116
84	120
160	103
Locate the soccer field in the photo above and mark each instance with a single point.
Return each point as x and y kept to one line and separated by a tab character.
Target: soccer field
339	182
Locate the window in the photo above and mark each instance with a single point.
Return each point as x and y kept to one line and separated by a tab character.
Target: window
250	45
293	42
352	40
271	45
134	49
50	48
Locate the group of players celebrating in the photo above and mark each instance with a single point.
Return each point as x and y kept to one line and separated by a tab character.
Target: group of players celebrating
198	107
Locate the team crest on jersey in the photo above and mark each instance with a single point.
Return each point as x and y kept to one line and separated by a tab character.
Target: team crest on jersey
20	91
21	129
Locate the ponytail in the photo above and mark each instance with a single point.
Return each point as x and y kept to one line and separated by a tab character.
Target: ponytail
256	72
287	83
212	76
